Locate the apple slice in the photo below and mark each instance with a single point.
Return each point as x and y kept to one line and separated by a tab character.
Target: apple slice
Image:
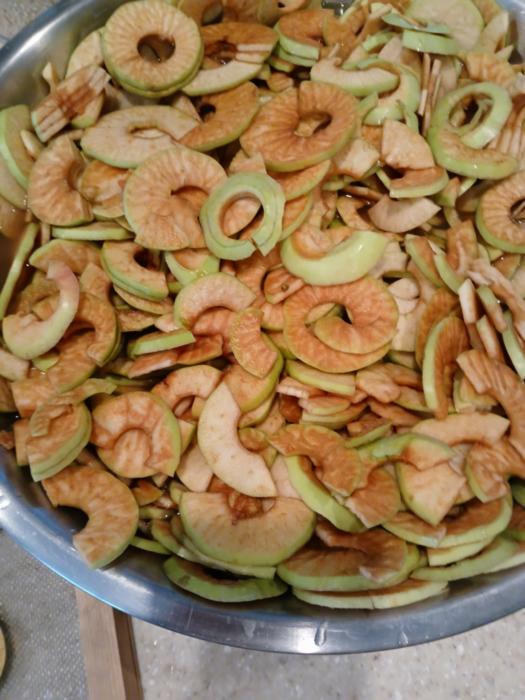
241	469
451	555
412	529
109	504
496	553
194	578
194	472
477	521
431	493
264	539
405	593
317	497
317	568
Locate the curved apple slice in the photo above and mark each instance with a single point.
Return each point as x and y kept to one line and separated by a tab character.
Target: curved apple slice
109	504
400	216
489	467
241	469
340	467
210	291
446	341
491	377
137	435
199	380
249	345
378	501
77	255
457	428
264	540
27	337
67	435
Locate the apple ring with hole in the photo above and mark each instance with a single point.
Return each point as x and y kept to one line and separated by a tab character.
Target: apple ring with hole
51	193
199	380
121	266
304	343
237	50
151	47
160	220
217	290
137	435
112	511
374	315
223	121
266	234
273	132
26	336
127	137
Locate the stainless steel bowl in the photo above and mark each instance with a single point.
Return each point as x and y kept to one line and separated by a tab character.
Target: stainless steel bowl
136	583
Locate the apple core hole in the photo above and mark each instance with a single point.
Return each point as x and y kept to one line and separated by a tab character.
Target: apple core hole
156	49
517	212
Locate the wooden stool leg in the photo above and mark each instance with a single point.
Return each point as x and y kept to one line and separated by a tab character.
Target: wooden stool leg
108	648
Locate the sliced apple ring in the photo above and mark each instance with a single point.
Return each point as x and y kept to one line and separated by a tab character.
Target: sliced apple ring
68	100
263	540
159	220
109	504
409	527
207	292
28	337
310	349
67	436
227	122
123	138
499	381
50	195
338	467
300	182
273	131
301	32
400	216
374	316
446	341
136	435
178	52
494	217
242	186
14	120
121	266
199	380
241	469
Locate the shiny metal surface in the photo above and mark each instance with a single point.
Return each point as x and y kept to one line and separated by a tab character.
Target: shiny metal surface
136	583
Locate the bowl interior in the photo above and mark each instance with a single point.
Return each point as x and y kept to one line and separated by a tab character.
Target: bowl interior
136	583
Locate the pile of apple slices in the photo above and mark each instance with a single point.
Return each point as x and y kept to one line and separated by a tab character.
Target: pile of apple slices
271	321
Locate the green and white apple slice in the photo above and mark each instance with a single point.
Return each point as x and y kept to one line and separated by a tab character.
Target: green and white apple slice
98	231
224	77
496	553
346	262
477	521
425	42
14	193
241	469
13	120
158	341
317	497
354	77
405	593
339	570
263	540
119	262
194	578
25	246
26	337
450	555
462	18
412	529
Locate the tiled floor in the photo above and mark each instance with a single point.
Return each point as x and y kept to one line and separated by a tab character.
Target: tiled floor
484	664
